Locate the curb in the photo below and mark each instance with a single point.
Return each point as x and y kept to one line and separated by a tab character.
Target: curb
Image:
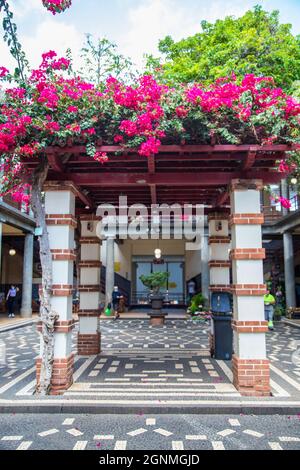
290	323
234	409
17	326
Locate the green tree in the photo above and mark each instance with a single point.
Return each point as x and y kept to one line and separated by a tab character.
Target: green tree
255	43
101	59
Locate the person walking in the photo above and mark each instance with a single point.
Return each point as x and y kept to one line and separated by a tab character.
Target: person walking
116	296
269	301
11	298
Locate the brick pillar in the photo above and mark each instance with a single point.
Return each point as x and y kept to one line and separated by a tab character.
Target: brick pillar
89	338
61	222
251	369
219	264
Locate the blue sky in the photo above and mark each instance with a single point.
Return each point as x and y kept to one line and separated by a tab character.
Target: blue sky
135	25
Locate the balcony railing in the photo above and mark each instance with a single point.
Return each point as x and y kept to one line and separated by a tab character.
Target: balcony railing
274	213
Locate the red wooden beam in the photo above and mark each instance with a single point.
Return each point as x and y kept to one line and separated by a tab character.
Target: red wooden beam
56	162
167	179
250	159
151	164
76	149
222	199
153	194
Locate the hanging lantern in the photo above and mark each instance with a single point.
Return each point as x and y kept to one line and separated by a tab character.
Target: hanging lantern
157	253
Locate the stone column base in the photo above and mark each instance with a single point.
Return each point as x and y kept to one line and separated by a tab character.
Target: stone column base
62	374
251	377
89	345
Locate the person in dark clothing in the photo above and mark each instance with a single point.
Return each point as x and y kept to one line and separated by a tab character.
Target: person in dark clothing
116	295
11	298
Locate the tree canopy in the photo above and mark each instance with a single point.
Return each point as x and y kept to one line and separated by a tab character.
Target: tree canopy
255	43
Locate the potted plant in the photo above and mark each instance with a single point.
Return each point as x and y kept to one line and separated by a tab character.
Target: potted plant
154	282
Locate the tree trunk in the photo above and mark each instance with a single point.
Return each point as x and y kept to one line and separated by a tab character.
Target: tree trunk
47	316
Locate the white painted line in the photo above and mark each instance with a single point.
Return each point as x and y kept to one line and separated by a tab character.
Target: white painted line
253	433
48	433
117	380
163	432
80	445
137	432
227	371
24	445
94	373
75	432
279	391
25	390
289	439
83	367
68	422
218	445
170	375
12	438
234	422
177	445
108	437
196	438
150	422
126	393
17	380
8	374
275	446
285	377
226	432
121	445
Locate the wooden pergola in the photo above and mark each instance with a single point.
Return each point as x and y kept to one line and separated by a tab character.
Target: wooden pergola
184	174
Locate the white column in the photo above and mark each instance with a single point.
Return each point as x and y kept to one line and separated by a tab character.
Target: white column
61	223
110	269
219	249
289	270
26	309
250	364
89	338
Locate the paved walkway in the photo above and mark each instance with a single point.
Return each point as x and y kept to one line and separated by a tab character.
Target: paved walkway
142	366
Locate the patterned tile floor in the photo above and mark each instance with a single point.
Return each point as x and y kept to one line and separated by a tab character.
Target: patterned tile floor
140	364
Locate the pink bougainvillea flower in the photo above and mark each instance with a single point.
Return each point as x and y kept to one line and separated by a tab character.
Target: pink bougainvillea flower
57	6
101	157
150	147
285	202
3	72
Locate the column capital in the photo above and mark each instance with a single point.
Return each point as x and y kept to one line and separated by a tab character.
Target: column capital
245	185
50	186
218	216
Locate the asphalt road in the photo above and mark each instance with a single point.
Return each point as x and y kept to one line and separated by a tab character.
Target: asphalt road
143	432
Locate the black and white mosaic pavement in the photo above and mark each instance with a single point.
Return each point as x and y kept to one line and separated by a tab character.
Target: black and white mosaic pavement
142	365
149	432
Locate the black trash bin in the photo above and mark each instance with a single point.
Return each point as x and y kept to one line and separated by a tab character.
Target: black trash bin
222	329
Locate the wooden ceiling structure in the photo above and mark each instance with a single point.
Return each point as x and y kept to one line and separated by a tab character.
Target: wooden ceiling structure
182	174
